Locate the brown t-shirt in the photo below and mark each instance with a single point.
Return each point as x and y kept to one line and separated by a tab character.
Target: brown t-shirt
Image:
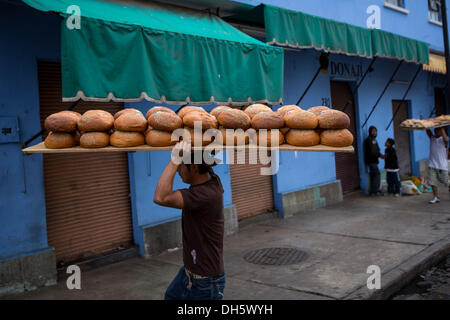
202	224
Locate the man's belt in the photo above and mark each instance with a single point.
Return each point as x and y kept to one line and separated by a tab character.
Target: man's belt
193	275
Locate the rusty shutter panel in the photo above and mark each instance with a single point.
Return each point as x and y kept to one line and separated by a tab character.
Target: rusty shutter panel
346	163
87	195
252	193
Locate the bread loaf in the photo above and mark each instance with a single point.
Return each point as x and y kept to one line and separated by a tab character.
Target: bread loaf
302	138
95	120
218	110
126	139
165	121
232	137
156	109
64	121
157	138
94	139
284	109
234	119
59	140
318	109
130	121
254	109
336	138
129	110
267	120
269	138
301	120
186	110
206	120
333	119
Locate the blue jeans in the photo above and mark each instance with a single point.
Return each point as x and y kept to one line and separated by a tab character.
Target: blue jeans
374	174
201	289
393	181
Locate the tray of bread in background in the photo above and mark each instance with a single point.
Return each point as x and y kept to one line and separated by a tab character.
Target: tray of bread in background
416	124
290	128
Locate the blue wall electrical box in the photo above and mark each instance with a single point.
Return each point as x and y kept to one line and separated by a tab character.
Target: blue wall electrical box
9	130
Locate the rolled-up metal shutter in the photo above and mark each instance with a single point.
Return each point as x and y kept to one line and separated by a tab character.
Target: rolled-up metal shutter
252	193
87	195
346	163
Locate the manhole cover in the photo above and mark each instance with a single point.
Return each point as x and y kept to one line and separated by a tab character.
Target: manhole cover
275	256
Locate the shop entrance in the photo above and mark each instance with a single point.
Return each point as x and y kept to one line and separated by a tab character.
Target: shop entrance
252	193
346	163
87	199
439	102
402	138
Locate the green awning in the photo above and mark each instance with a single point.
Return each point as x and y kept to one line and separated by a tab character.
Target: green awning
296	29
300	30
389	45
133	51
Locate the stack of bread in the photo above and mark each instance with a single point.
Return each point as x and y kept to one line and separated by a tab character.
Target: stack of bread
162	122
197	118
62	127
129	127
233	124
264	120
94	126
334	131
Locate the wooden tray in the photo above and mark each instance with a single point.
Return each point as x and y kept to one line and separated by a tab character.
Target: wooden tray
40	148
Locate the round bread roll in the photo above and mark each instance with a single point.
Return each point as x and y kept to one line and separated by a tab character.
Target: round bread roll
318	109
254	109
198	138
130	110
301	120
156	109
165	121
158	138
267	120
336	138
234	119
95	120
232	137
63	121
186	110
270	138
206	120
131	121
94	139
60	140
302	138
292	107
126	139
333	119
218	110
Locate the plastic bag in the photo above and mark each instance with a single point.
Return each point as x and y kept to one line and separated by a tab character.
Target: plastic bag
408	187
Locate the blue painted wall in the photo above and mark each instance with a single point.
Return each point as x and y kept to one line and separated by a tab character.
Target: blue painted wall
25	36
413	25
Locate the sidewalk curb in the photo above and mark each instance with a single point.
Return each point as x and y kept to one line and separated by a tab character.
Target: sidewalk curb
397	278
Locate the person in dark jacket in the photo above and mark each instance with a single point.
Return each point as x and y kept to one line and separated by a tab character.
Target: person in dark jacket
392	169
371	155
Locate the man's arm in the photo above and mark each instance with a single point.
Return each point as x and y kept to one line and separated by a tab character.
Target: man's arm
164	194
445	137
429	133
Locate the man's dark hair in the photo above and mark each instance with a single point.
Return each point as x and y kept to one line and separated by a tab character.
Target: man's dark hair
391	141
204	167
370	130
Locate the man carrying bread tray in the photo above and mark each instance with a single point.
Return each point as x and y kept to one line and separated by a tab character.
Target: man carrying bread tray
437	164
202	277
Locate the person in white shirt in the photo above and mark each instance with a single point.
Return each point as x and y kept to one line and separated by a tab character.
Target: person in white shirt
437	164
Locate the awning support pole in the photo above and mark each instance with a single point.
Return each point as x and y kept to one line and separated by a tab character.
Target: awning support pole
73	105
404	96
309	86
382	93
369	69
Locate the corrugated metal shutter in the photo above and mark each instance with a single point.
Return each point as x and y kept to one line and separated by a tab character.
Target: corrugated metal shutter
252	193
87	195
346	163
